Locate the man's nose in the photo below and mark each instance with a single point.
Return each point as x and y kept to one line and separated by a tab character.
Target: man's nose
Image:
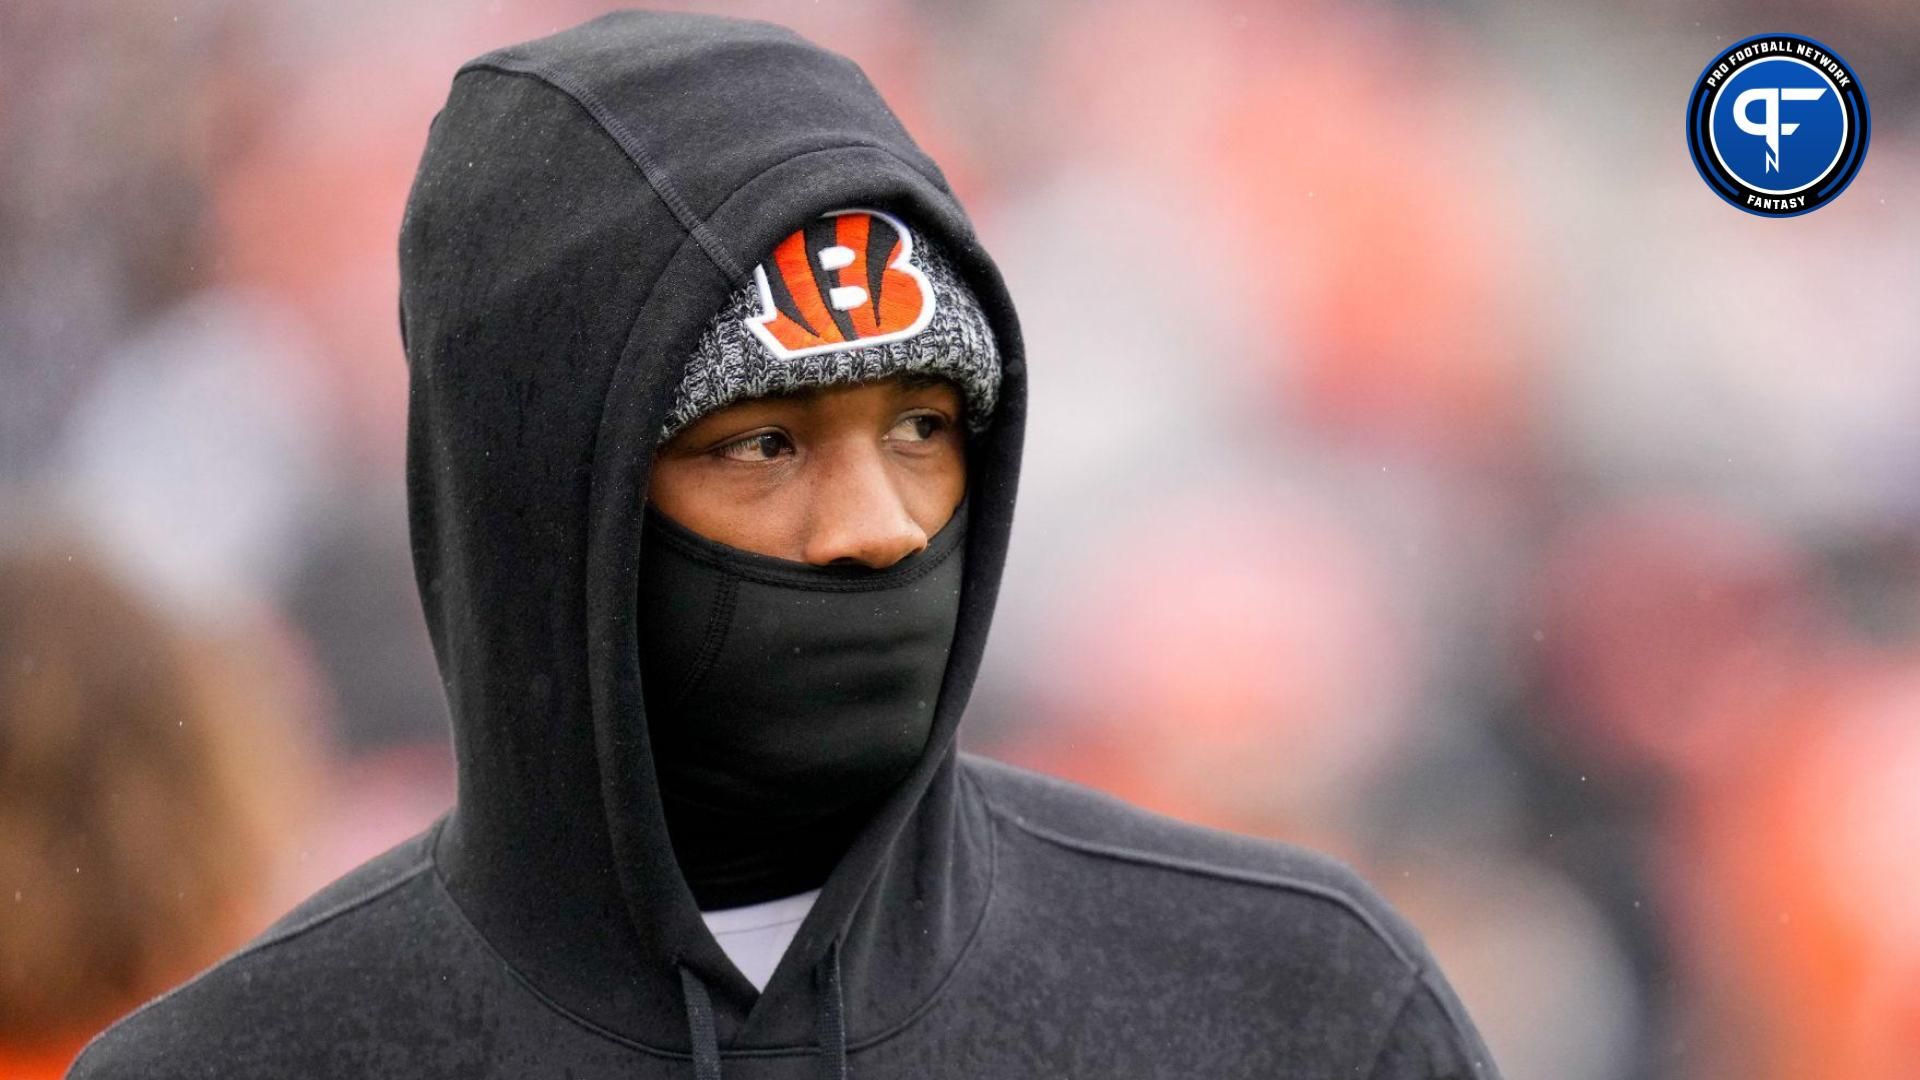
859	517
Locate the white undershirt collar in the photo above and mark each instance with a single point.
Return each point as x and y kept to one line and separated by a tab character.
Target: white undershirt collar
754	937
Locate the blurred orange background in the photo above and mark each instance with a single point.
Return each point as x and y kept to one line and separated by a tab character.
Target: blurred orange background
1423	464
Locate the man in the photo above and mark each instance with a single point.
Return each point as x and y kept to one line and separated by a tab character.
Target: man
717	408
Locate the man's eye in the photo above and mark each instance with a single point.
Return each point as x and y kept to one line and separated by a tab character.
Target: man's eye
921	427
764	446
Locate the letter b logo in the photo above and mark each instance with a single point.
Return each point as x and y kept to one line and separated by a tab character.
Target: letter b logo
845	280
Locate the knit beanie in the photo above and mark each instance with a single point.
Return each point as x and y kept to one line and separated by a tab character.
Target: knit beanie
853	295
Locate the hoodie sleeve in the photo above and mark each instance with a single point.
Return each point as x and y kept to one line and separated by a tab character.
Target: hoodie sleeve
1431	1038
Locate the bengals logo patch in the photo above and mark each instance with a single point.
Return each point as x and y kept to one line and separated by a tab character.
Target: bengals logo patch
846	280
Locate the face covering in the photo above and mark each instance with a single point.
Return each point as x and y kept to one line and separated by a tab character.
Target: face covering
785	700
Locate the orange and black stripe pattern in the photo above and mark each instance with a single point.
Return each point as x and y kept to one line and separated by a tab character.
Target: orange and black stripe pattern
842	281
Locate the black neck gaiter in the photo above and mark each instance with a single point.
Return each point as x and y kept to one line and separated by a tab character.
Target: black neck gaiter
785	700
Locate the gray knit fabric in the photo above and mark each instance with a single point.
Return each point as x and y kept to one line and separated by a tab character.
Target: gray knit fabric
731	364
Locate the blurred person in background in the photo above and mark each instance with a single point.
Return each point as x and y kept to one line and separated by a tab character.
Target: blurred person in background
144	793
698	261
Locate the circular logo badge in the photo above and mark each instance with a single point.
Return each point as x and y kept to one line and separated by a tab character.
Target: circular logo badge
1777	125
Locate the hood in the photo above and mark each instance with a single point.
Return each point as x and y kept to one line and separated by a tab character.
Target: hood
586	202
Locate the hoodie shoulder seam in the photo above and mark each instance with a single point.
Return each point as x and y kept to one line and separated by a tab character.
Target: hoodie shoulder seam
629	144
1407	993
1431	982
1196	868
344	907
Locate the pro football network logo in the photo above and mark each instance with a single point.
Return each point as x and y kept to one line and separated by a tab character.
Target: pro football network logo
846	280
1778	125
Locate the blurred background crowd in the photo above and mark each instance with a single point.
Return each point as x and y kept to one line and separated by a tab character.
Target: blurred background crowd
1423	466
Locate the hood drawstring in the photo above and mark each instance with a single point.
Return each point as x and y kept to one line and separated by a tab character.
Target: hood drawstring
830	1026
830	1029
705	1037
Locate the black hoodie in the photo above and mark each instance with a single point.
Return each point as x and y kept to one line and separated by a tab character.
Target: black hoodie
586	202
